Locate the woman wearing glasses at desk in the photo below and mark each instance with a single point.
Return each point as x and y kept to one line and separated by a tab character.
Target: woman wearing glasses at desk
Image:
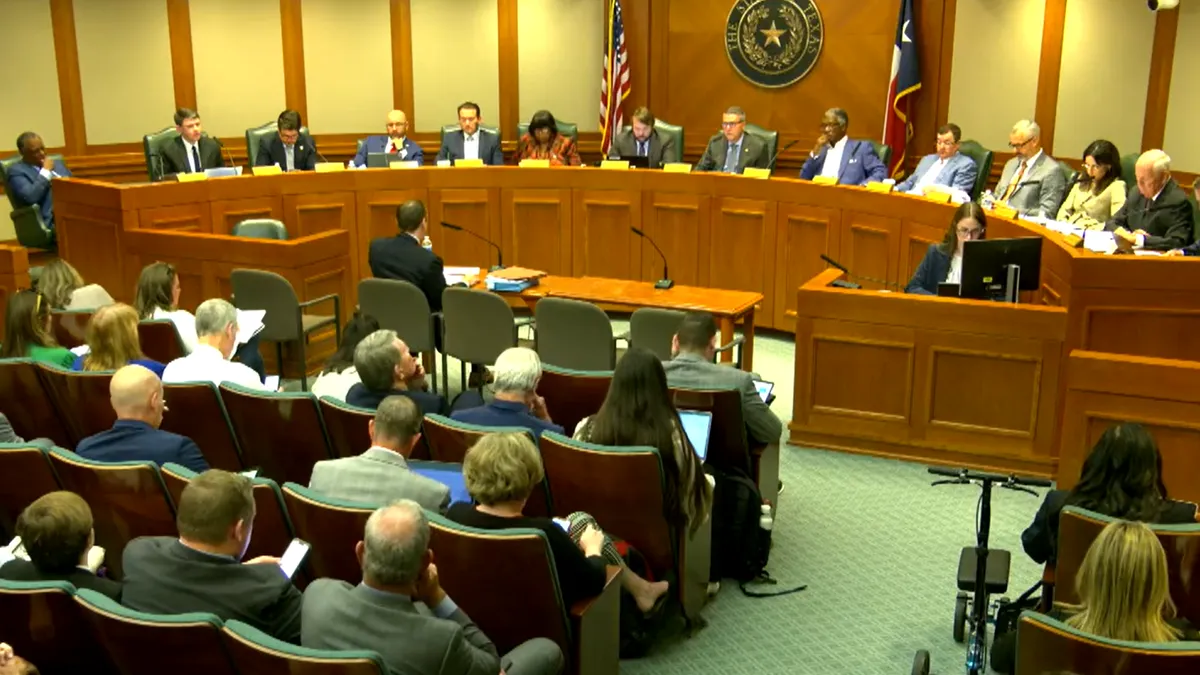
1100	192
943	262
543	141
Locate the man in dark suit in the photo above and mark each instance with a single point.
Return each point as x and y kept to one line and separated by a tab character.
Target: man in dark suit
516	402
395	144
1156	216
29	179
400	610
643	140
192	151
201	571
288	148
387	368
136	394
732	150
470	141
402	256
836	156
56	531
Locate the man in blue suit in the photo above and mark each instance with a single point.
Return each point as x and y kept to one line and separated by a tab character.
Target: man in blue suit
836	156
29	179
396	144
945	167
137	397
471	142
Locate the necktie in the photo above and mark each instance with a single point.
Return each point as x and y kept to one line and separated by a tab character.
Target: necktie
196	158
1012	187
731	159
289	153
642	149
395	149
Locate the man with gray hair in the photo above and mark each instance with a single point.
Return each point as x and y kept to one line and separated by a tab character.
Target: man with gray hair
400	610
386	367
516	404
1157	215
732	149
836	156
1032	181
216	339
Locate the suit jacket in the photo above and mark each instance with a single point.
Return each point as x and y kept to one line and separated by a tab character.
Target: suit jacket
506	414
932	271
429	403
1041	189
691	370
134	441
378	476
270	151
409	637
162	576
24	570
662	148
411	151
860	164
29	188
1168	220
1090	210
174	156
489	147
402	257
960	172
754	153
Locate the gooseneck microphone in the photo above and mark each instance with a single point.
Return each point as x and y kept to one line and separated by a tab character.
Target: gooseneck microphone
665	282
834	263
499	255
845	270
228	155
771	164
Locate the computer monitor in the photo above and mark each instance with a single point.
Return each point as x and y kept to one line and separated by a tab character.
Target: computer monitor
449	475
697	424
986	263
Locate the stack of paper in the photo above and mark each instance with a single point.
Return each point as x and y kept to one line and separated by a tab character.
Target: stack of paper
250	323
460	275
513	279
1099	241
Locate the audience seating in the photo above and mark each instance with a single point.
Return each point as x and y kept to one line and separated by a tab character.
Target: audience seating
82	399
128	500
402	307
1045	645
574	334
348	426
654	329
281	434
25	475
476	327
26	401
450	439
729	447
197	412
332	526
160	340
520	573
572	395
42	623
285	320
69	327
253	651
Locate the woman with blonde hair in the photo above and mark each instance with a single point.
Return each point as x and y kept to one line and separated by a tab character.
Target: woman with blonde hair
62	286
112	340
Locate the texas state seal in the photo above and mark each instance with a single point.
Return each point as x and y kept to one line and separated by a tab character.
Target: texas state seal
774	43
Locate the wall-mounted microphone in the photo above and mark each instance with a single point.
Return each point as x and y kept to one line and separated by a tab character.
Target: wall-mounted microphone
771	164
665	282
499	255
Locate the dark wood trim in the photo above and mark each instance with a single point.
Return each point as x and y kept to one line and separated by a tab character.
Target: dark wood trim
70	86
510	91
1049	70
942	106
402	59
637	42
183	67
1158	91
659	31
294	92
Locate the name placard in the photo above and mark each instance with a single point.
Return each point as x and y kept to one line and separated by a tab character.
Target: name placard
878	186
272	170
406	164
825	180
677	167
329	167
755	172
190	177
534	164
614	164
468	162
937	196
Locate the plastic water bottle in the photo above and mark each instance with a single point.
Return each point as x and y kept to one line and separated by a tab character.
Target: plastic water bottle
765	521
987	200
427	244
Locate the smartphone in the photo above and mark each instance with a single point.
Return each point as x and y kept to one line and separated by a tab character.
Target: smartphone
764	390
563	523
293	557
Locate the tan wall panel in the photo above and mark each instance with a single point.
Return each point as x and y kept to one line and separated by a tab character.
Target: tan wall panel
125	68
7	231
561	53
471	72
237	85
997	48
1182	142
347	65
30	39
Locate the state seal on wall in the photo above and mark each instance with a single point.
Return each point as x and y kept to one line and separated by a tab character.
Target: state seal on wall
774	43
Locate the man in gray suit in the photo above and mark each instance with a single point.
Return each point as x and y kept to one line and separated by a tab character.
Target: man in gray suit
694	345
400	610
643	140
1032	181
381	474
732	150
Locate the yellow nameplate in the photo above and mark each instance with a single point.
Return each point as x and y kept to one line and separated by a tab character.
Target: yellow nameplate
407	164
824	180
272	170
190	177
877	186
535	164
939	197
468	162
614	164
677	167
1004	211
755	172
326	167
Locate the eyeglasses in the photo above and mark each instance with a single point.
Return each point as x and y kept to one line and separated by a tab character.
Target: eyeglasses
971	232
1022	144
730	125
945	144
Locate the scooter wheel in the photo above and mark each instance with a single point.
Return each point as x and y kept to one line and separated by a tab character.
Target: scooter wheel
960	618
921	663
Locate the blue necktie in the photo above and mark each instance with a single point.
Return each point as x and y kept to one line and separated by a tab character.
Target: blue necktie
642	148
196	158
731	159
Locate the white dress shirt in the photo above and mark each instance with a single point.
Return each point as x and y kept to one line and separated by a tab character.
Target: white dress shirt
833	158
335	385
471	145
954	276
185	325
207	364
187	151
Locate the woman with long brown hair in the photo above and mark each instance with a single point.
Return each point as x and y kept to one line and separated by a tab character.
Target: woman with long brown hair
112	340
62	286
943	262
27	331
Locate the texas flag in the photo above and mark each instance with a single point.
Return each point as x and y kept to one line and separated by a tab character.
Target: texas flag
905	80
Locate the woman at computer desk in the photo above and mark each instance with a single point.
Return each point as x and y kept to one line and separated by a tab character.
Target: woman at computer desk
1100	192
543	141
943	262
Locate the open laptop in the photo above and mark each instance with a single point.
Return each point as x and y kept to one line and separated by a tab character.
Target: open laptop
449	475
638	161
697	424
380	160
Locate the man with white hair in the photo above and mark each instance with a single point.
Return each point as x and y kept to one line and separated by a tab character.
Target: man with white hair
400	610
216	339
516	404
1156	216
1032	181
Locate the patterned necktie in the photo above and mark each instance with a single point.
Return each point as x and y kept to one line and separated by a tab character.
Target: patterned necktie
1012	187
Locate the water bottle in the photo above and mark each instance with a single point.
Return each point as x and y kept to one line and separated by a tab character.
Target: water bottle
427	244
765	521
987	200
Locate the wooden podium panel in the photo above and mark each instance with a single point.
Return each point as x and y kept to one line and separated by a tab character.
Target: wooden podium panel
742	248
680	223
195	218
871	247
535	227
602	243
803	234
475	210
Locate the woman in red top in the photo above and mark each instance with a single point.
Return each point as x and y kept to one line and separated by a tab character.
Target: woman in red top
544	142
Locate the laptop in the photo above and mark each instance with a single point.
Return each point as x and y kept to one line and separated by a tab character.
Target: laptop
447	474
638	161
380	160
697	424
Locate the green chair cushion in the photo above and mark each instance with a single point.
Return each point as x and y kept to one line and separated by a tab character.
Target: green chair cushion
106	604
254	136
568	129
261	228
884	152
252	634
983	164
451	128
771	138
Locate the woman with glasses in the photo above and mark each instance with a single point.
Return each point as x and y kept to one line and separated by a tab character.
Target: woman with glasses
27	331
943	262
1100	192
543	141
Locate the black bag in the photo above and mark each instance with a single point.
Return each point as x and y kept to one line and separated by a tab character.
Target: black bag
740	545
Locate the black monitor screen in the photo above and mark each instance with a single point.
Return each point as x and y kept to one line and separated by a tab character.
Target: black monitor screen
984	265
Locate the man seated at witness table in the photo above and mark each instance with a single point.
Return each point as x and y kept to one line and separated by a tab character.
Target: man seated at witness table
1032	181
694	347
943	262
543	141
732	150
402	257
216	339
287	148
202	569
112	341
945	167
400	610
396	144
191	152
387	368
836	156
381	474
137	398
516	403
643	140
1100	192
470	141
1157	216
29	179
56	531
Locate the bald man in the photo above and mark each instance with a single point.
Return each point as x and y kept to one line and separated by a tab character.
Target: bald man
396	144
1156	216
137	398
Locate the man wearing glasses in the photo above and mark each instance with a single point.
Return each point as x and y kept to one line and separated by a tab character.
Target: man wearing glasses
471	141
1032	181
836	156
944	167
732	150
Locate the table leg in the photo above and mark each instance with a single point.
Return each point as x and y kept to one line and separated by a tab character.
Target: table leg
726	323
748	345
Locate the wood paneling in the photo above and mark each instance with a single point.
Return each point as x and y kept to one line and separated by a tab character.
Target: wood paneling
14	276
804	233
311	213
1158	93
183	68
510	102
1162	332
475	210
402	59
535	229
602	244
1049	69
294	88
680	224
743	230
870	247
915	239
70	84
183	218
228	213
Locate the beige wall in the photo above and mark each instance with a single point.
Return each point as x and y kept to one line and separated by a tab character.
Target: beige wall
561	52
238	85
443	76
1182	141
29	38
347	65
125	68
993	83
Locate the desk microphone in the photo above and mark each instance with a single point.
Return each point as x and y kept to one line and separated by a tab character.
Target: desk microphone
848	273
665	282
313	143
771	164
499	255
228	154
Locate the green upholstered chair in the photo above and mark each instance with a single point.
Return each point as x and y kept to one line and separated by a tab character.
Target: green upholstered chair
568	129
27	220
253	651
254	136
44	625
1128	163
771	138
574	334
1069	175
983	162
884	152
1046	645
152	145
261	228
665	128
451	128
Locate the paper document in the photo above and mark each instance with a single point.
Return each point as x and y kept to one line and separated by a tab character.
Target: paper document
250	323
1099	241
459	275
1142	251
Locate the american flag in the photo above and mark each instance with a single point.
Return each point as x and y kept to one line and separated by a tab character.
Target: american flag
614	83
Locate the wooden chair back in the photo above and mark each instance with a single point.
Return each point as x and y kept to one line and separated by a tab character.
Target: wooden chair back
253	651
332	526
280	434
69	327
82	400
1045	645
25	400
25	475
572	395
728	446
43	625
160	340
347	426
197	412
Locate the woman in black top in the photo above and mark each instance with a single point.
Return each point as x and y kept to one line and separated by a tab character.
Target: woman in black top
943	262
